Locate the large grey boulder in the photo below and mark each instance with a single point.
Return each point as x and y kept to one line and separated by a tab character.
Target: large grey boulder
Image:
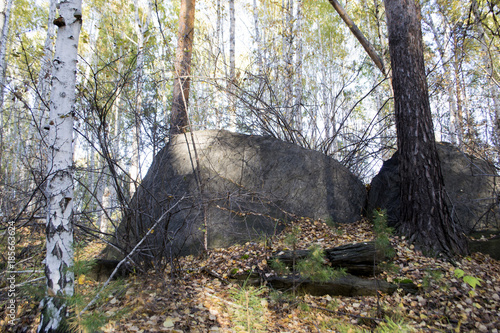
242	186
471	184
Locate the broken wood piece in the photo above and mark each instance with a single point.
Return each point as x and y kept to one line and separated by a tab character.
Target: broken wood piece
358	259
349	285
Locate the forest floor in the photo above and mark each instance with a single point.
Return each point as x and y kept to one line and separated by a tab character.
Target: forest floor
200	298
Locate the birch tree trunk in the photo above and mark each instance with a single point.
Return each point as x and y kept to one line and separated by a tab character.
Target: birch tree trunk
455	123
182	68
298	74
288	52
141	26
43	87
492	89
59	192
232	67
257	41
5	7
460	100
42	94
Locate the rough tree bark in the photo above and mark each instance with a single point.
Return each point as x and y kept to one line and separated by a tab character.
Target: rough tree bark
424	214
182	68
59	192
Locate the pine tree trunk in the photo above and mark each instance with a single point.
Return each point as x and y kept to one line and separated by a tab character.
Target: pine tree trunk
182	68
424	215
59	231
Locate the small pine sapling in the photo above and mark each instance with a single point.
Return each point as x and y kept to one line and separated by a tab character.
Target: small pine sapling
315	269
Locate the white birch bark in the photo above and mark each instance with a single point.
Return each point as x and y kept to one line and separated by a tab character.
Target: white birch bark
42	93
218	25
257	41
288	58
454	121
492	88
232	67
59	192
43	87
298	66
103	196
141	26
106	200
217	50
259	51
5	7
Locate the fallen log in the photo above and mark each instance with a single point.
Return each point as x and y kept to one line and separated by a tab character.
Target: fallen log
101	269
358	259
349	285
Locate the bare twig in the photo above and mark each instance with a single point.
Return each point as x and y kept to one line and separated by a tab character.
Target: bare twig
127	257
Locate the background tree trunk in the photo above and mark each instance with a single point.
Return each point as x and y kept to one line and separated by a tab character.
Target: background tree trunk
370	50
232	67
298	75
5	7
424	215
141	27
182	68
488	64
454	123
59	231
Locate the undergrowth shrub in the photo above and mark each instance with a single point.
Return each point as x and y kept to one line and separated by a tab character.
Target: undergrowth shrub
382	233
249	313
314	268
85	290
280	267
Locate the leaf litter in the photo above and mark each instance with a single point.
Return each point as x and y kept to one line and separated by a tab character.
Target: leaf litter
200	297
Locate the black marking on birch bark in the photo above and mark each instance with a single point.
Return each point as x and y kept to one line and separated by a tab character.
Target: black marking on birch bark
64	202
49	281
64	274
50	230
61	229
78	14
60	21
57	252
57	65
